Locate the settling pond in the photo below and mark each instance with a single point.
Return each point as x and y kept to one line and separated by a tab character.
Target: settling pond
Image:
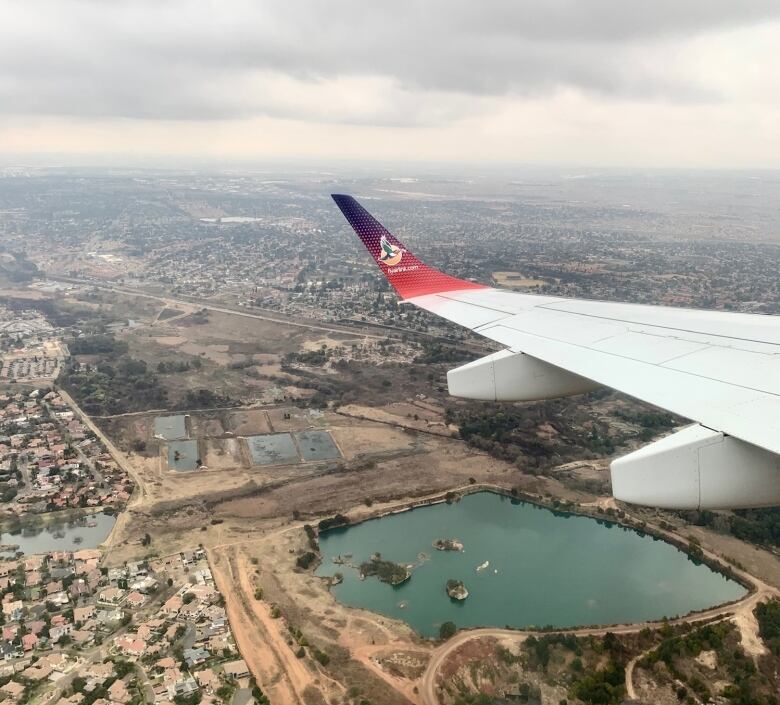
88	532
543	568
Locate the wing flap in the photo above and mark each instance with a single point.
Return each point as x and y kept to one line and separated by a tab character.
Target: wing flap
750	415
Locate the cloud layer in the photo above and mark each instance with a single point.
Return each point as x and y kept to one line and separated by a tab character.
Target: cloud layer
389	62
411	64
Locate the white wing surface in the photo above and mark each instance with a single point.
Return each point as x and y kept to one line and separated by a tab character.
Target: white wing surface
719	369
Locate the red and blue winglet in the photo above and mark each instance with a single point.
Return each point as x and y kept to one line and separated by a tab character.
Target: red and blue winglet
407	275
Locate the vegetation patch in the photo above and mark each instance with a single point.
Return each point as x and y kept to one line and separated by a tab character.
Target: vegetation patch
386	571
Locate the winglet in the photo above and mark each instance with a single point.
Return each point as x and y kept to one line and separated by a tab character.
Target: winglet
407	275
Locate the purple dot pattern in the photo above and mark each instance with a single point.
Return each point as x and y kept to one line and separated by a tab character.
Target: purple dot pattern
407	275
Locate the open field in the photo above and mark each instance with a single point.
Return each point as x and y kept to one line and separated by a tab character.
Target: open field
393	447
515	280
250	521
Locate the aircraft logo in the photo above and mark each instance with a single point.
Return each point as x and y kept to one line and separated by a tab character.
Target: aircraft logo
390	254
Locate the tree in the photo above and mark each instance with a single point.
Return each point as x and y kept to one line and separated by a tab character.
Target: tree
447	630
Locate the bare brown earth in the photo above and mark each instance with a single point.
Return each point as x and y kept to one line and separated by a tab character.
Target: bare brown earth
250	518
251	521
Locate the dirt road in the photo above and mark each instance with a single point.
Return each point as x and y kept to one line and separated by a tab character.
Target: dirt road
740	612
258	635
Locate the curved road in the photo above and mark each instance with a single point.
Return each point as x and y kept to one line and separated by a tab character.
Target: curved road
761	591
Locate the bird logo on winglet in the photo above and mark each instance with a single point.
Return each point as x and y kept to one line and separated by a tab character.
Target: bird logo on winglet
389	253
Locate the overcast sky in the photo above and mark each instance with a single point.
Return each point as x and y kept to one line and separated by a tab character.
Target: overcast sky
593	82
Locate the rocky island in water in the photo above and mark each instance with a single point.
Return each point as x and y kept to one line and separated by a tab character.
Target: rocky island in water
457	590
386	571
448	545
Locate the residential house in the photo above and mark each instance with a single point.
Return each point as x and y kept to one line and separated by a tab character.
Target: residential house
82	614
207	679
195	656
118	692
29	642
172	605
136	599
13	610
111	595
14	689
56	633
236	669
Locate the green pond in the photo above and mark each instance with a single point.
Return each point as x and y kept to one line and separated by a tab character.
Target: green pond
544	568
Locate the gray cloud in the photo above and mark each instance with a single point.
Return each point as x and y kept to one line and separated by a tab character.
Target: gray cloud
307	59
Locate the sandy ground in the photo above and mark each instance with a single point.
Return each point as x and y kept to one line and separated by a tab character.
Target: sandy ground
515	280
250	521
748	628
223	453
248	422
271	660
395	416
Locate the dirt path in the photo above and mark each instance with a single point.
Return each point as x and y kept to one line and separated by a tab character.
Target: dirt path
365	655
258	636
630	692
748	628
740	612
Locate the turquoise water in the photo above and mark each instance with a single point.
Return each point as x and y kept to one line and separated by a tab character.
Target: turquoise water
545	568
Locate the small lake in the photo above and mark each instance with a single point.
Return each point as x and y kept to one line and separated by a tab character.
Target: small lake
65	536
544	568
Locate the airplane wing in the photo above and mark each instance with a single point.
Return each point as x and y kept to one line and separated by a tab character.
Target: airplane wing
719	369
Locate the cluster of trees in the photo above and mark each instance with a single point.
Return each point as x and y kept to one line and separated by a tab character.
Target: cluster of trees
303	643
205	399
115	386
447	630
7	492
597	686
386	571
539	648
164	367
510	432
78	684
650	422
313	358
506	432
311	535
433	352
647	419
19	269
748	686
768	616
306	559
604	686
120	383
759	526
332	522
101	344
